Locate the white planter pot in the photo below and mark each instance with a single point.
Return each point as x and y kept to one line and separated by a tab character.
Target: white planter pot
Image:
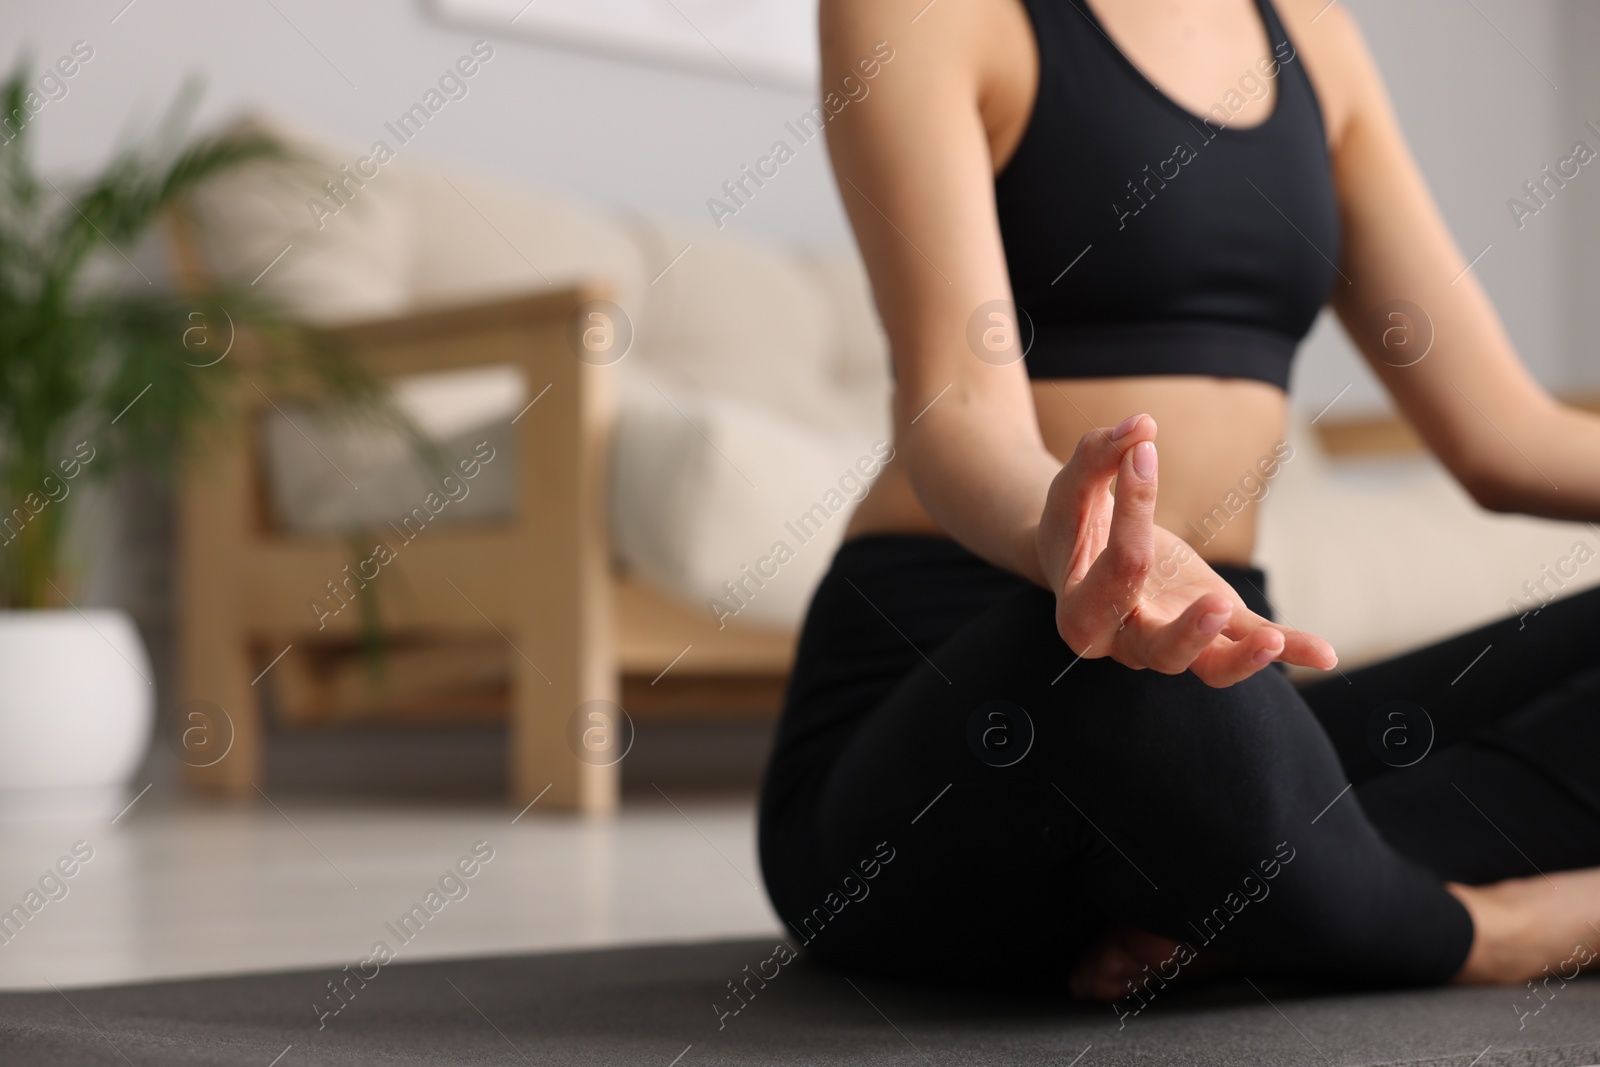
77	707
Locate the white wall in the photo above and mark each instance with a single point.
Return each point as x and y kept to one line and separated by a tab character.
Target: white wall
1580	216
1481	119
653	139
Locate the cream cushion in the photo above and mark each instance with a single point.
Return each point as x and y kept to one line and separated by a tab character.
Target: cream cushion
704	487
760	385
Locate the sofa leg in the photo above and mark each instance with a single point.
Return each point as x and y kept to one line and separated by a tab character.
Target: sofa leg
218	725
545	760
563	589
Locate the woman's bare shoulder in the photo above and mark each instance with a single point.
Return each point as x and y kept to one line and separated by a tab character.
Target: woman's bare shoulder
952	35
1336	58
952	55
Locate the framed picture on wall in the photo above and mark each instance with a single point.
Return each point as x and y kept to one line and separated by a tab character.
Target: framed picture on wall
762	42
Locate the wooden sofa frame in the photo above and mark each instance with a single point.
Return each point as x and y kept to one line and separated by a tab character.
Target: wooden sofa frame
543	583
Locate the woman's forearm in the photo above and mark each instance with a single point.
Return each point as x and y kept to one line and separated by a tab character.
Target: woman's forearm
982	475
1544	463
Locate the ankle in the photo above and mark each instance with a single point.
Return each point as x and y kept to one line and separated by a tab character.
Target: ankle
1497	936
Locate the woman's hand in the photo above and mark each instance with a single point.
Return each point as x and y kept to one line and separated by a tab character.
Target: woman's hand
1134	591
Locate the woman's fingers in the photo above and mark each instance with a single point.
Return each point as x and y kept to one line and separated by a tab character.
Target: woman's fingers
1222	642
1098	611
1170	648
1227	662
1076	508
1130	550
1251	643
1307	650
1299	648
1094	609
1196	640
1099	454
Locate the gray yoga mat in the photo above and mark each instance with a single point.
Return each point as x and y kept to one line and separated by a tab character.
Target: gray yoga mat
655	1007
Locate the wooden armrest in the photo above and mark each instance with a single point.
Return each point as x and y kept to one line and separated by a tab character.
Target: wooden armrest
450	337
427	339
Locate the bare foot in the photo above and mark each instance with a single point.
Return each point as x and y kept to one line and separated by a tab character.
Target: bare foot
1523	926
1123	958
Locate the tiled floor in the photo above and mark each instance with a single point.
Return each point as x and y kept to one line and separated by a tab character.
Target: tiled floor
174	888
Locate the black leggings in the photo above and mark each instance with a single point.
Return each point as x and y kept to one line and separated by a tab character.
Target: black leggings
955	796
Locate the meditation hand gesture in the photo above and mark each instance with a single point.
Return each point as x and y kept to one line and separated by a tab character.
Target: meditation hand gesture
1134	591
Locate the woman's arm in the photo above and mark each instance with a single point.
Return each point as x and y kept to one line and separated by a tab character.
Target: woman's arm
914	169
915	174
1504	438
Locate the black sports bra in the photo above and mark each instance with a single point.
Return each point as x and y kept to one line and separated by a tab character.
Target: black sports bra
1144	239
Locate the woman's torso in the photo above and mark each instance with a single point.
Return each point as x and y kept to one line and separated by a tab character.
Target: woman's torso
1188	57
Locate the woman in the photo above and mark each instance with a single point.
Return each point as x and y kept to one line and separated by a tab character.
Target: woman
1032	732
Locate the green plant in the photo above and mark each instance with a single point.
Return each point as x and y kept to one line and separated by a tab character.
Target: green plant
95	359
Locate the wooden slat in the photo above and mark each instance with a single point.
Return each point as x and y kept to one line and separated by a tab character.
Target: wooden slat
414	591
1390	435
1378	435
444	677
653	627
463	680
702	697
